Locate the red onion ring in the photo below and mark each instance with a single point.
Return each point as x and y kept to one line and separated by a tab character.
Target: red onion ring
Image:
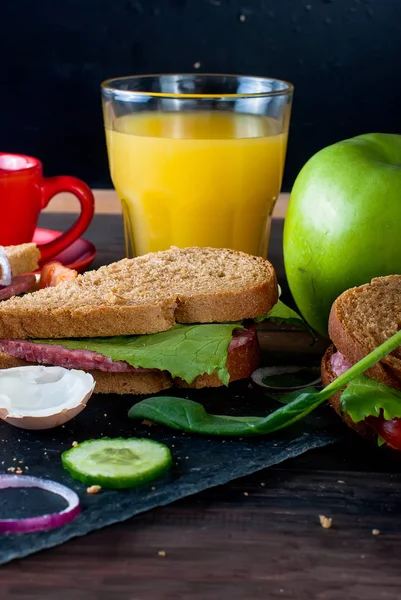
5	268
43	522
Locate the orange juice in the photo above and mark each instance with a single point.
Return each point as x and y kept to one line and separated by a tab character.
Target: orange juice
197	178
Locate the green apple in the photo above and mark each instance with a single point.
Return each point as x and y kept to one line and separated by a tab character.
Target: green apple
343	224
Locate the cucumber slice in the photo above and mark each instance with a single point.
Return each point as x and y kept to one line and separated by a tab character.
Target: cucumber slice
117	462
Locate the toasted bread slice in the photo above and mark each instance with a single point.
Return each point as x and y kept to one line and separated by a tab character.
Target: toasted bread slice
146	294
364	317
241	362
149	382
23	258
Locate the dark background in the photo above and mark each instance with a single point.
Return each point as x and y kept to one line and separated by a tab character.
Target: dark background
343	56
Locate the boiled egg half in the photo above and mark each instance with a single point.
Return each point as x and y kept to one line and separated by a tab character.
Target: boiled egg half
40	397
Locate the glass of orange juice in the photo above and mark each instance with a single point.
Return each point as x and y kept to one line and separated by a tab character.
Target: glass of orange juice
197	160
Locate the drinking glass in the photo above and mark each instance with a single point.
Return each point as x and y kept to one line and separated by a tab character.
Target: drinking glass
196	159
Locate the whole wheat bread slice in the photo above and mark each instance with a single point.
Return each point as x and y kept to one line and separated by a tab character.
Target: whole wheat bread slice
22	258
146	294
241	362
364	317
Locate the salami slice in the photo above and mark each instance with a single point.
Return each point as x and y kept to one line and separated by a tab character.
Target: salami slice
46	354
19	285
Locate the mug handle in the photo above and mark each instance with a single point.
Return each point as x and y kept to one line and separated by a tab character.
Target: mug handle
64	183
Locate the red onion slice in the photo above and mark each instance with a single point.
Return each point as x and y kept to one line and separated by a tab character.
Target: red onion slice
43	522
6	275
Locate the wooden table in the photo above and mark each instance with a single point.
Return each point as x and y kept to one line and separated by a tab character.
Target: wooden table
255	538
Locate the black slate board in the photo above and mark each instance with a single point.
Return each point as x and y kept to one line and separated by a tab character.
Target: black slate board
199	462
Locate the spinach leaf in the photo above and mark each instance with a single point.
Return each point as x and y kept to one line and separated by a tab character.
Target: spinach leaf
189	416
192	417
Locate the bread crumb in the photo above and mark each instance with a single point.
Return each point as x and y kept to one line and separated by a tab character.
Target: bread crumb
376	532
262	484
11	469
148	423
162	553
246	494
153	488
340	481
242	18
197	65
74	444
19	471
94	489
325	522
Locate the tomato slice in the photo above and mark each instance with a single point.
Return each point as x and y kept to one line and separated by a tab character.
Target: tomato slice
54	273
389	431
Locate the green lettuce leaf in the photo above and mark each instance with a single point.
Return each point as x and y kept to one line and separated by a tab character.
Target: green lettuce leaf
365	397
283	314
185	351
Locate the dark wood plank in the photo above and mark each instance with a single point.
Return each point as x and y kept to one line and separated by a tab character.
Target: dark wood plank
255	538
223	544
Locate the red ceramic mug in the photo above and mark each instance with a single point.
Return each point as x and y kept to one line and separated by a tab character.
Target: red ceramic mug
24	192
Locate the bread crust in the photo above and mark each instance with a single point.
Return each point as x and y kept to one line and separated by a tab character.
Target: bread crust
148	382
229	306
351	347
327	377
24	323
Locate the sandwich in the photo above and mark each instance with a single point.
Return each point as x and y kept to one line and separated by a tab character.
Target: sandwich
16	266
360	320
178	317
